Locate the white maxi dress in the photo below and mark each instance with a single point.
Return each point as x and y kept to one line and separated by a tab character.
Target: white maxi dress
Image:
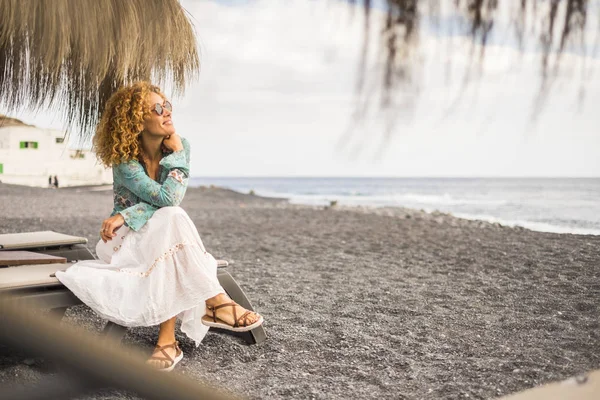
146	277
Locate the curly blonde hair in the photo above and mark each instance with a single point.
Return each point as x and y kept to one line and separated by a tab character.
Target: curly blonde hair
117	138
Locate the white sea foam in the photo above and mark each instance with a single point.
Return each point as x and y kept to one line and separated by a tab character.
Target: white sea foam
446	199
546	205
428	203
382	200
534	226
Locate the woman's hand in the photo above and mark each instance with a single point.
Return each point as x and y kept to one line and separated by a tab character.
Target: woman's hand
110	226
173	142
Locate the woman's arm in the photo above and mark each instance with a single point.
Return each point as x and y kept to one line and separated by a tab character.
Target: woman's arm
137	215
132	175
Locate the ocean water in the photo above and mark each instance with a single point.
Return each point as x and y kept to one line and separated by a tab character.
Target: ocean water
561	205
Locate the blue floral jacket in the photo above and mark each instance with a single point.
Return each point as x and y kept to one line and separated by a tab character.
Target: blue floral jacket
137	196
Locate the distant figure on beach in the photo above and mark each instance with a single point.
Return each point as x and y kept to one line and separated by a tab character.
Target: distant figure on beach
56	181
50	181
153	266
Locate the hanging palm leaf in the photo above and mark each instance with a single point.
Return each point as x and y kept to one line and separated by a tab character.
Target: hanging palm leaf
557	24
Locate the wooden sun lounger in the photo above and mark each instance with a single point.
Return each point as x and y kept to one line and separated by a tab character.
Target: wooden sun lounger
32	279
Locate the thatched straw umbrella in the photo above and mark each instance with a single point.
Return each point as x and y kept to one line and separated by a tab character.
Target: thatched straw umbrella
71	55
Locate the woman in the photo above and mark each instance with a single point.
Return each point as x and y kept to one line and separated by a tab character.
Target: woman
153	266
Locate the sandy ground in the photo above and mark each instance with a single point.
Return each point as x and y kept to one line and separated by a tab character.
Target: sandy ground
362	303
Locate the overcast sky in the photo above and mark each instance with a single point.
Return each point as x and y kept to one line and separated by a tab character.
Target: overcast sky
276	96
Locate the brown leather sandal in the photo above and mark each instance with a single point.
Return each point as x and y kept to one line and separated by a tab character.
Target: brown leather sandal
240	324
167	358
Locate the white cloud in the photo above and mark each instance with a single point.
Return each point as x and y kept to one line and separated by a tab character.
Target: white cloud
276	94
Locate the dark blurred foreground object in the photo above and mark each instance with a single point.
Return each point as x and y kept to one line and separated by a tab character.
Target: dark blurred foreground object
71	55
89	363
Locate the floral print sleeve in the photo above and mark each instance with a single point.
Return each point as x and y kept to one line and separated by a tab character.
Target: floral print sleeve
170	193
137	196
137	215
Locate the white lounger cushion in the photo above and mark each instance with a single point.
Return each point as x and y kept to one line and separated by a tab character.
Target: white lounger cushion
30	275
29	240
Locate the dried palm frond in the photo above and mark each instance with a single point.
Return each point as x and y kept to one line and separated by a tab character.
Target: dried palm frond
557	24
548	27
71	55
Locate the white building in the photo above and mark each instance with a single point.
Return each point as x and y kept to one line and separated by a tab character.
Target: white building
29	155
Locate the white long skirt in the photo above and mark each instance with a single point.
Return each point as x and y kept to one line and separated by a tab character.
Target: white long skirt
147	277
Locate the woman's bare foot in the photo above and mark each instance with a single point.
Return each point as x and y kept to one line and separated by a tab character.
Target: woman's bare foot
222	312
165	356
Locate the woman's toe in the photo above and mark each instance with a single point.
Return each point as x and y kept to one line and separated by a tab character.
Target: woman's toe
254	317
155	363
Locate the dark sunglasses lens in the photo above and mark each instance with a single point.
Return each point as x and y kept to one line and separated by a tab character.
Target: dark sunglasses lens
158	108
168	106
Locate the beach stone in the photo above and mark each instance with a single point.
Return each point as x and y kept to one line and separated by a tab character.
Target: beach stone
360	302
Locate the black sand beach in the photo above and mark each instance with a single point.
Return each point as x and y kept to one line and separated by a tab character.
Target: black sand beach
387	303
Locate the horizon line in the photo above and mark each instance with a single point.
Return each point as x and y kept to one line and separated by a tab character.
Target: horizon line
387	177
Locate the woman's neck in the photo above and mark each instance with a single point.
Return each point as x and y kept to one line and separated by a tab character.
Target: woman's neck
152	147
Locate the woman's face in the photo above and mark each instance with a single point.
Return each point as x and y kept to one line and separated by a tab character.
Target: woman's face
154	124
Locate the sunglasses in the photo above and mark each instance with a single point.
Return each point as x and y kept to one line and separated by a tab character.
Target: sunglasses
160	109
